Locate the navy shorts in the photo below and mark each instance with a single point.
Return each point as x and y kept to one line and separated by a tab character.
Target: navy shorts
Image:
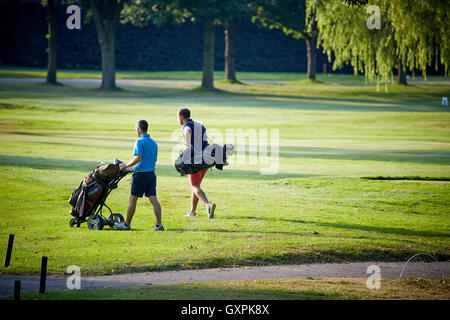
144	182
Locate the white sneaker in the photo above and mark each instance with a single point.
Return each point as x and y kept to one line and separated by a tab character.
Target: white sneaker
158	228
190	214
121	226
210	209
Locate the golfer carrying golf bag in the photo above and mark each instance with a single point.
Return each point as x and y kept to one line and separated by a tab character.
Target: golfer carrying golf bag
195	138
144	178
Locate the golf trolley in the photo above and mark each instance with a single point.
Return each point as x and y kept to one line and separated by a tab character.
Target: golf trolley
94	216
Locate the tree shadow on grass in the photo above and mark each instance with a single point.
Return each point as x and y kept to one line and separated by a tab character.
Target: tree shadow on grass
373	229
354	154
386	230
415	156
47	163
392	102
72	137
161	170
286	233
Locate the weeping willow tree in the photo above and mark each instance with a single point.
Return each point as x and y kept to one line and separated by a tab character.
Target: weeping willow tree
412	35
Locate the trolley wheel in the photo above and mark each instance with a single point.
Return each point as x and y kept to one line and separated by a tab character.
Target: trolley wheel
115	217
73	222
95	222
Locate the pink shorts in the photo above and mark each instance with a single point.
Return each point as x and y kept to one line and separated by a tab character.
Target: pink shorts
196	178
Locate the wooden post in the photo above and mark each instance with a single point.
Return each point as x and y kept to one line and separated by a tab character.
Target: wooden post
43	274
16	290
9	250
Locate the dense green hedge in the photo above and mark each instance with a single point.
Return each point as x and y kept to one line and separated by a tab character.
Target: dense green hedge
170	47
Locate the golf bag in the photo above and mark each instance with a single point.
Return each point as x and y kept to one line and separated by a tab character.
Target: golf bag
89	198
84	198
214	155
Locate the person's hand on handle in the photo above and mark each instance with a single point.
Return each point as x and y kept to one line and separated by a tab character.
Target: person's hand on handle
133	162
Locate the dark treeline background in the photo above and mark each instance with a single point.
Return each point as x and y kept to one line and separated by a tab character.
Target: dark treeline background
23	28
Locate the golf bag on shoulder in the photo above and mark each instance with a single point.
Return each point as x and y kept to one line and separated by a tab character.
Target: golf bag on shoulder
214	155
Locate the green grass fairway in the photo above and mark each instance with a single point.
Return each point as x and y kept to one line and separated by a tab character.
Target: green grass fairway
363	175
296	289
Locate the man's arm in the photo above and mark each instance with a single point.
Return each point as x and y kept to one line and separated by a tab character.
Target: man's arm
133	162
137	152
187	135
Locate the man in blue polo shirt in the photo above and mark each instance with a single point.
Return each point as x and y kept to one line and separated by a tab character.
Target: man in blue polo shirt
144	178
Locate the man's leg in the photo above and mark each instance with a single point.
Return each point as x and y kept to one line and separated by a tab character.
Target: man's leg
194	201
195	181
156	208
210	207
198	192
131	209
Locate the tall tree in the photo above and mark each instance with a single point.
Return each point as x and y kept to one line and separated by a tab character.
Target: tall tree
229	54
209	12
51	41
143	12
412	35
235	11
208	53
106	14
212	12
290	17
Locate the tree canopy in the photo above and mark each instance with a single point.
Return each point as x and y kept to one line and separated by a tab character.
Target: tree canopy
286	15
414	33
290	17
143	12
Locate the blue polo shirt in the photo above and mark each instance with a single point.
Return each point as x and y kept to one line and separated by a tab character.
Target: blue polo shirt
148	148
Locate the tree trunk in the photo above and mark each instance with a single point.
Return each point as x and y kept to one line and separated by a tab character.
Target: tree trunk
311	53
108	61
401	73
51	39
208	55
230	67
106	19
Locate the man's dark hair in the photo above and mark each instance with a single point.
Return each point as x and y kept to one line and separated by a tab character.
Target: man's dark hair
143	125
185	113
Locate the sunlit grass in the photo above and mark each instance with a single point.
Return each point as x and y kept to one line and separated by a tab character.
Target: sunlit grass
316	208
